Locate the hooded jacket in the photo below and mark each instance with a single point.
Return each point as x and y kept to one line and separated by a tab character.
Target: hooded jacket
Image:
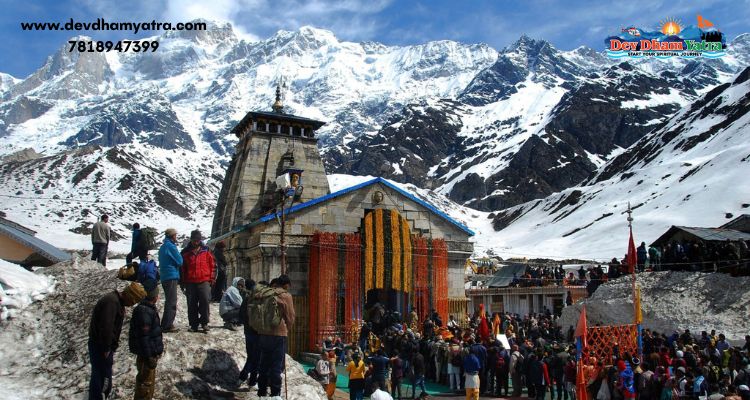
170	261
232	299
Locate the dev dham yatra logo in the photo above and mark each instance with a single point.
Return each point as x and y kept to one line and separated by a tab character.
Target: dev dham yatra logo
670	39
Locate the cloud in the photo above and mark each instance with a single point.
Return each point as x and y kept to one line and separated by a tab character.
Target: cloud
348	19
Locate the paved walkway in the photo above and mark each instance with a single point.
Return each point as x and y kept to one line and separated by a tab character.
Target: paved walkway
341	395
434	390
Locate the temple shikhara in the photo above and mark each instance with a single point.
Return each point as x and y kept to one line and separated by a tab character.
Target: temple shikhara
370	246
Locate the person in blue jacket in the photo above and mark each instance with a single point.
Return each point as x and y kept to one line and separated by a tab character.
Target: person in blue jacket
170	261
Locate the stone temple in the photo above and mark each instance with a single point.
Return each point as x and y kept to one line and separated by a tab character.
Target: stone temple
344	251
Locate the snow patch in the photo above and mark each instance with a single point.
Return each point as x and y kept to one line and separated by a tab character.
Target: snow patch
20	287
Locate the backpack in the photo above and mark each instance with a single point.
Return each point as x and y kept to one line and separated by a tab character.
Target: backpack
263	313
322	368
741	378
520	364
147	240
714	374
313	373
147	271
126	273
500	363
645	385
456	360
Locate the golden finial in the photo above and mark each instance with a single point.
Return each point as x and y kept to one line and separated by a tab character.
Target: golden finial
277	106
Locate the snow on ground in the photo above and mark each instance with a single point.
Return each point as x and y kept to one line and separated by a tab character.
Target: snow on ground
20	287
656	99
44	353
671	301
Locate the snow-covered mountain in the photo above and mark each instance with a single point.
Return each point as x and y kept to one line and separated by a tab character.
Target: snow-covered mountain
537	121
691	171
144	136
64	194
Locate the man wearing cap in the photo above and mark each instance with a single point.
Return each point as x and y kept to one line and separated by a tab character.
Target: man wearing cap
101	232
146	342
170	262
198	274
104	336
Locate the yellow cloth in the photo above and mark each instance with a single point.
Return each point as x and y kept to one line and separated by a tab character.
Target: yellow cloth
472	394
638	311
356	372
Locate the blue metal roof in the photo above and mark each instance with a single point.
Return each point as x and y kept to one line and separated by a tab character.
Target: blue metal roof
350	189
40	246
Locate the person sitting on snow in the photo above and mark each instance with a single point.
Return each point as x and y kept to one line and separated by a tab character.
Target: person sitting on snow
229	307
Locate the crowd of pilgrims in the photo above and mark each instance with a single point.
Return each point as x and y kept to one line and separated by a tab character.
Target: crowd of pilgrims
540	362
697	256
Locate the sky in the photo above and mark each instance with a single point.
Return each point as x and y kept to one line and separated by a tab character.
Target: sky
498	23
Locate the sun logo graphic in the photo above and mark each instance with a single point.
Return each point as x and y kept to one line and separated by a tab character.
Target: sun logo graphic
670	26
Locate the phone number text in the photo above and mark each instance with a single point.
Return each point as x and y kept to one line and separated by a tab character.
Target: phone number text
120	45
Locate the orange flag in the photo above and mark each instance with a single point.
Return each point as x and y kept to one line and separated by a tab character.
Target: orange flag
632	255
581	327
496	326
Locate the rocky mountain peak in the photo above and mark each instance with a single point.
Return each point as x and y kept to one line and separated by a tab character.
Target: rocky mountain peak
741	40
305	39
67	74
528	46
215	33
6	81
371	47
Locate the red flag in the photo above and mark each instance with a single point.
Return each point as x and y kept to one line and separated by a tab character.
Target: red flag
581	328
632	256
484	326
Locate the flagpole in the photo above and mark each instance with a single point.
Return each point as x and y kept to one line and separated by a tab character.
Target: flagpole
636	296
581	343
632	267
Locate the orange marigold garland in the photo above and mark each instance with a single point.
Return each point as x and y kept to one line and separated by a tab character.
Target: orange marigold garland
407	266
440	274
328	282
421	278
379	250
396	247
313	275
354	297
387	251
369	248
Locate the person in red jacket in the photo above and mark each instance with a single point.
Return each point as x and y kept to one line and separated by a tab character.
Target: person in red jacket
197	276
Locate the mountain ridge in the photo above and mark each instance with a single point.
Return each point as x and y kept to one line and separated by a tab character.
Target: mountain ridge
488	129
